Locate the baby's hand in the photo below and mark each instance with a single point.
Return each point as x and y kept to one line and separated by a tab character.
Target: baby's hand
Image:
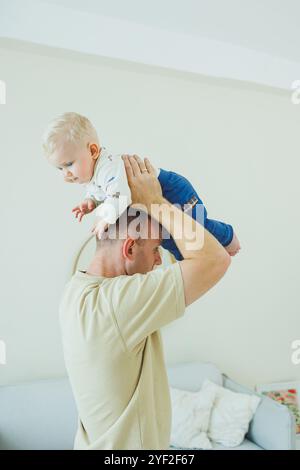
234	246
87	206
99	228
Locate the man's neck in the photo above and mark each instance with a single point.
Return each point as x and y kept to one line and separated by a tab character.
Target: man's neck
102	267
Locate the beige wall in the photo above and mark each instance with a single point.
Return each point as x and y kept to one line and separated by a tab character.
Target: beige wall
238	144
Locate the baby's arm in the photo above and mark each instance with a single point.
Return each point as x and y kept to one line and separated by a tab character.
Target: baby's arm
85	207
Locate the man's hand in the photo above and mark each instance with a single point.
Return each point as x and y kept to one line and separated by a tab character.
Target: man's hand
143	182
87	206
234	246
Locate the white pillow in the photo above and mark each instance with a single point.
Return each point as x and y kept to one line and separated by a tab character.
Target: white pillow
190	418
231	414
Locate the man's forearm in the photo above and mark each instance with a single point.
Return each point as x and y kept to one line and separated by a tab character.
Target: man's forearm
192	239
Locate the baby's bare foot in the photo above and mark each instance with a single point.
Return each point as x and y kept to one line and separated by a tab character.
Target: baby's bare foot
234	246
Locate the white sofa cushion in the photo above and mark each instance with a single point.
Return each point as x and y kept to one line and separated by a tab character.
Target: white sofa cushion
245	445
190	418
231	414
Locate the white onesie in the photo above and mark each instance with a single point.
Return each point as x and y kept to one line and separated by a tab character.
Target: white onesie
109	187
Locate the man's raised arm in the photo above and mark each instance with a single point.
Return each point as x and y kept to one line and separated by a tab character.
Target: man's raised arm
205	260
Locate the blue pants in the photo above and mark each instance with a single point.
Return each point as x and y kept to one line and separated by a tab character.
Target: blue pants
178	190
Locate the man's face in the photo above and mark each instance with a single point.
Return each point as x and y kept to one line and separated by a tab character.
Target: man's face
144	256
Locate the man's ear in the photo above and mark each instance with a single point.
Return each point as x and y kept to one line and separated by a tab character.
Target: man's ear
127	249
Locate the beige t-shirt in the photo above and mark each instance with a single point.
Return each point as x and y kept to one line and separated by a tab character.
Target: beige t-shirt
114	356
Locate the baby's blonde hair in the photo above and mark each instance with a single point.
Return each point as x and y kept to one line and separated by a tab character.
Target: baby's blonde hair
68	127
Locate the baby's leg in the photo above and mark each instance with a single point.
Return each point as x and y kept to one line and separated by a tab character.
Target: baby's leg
178	190
170	245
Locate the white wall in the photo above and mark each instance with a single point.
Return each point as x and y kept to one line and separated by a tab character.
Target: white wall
238	144
241	46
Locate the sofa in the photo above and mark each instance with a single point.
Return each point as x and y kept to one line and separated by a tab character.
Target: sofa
41	415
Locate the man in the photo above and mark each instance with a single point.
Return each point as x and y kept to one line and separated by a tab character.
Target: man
111	316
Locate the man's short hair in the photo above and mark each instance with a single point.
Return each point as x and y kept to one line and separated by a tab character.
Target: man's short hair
134	223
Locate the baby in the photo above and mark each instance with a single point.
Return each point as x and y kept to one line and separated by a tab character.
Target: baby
71	144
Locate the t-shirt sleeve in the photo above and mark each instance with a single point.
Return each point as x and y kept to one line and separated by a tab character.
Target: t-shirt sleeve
143	303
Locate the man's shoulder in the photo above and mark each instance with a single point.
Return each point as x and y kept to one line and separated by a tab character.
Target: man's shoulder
123	285
140	283
80	282
80	288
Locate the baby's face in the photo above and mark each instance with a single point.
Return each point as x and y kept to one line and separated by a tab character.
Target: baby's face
75	162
